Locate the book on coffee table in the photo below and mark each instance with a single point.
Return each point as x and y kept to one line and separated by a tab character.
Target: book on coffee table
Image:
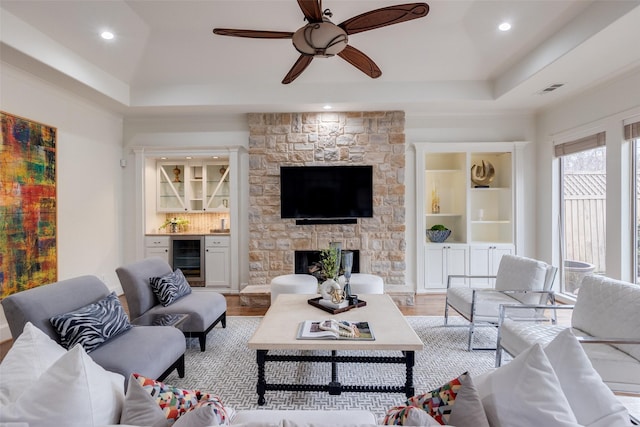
331	329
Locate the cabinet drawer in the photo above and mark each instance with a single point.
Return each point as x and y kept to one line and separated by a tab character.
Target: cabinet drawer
156	241
216	241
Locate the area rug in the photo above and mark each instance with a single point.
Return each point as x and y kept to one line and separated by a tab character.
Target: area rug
228	368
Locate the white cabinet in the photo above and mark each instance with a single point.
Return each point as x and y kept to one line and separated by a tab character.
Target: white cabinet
441	260
217	262
195	186
157	246
482	218
484	261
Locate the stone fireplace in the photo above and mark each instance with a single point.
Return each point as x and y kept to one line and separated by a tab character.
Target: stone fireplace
352	138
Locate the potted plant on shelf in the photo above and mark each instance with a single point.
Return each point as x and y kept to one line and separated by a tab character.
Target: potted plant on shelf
174	224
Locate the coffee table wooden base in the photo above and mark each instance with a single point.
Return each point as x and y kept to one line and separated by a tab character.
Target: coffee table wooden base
334	387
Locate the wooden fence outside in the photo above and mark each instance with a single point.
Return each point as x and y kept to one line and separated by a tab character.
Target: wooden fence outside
585	238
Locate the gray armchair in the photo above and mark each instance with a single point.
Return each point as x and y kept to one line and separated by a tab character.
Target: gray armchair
519	280
153	351
205	308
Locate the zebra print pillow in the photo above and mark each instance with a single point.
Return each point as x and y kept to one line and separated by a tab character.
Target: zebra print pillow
170	287
93	324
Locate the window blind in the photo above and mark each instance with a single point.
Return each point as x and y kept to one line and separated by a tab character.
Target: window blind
632	131
582	144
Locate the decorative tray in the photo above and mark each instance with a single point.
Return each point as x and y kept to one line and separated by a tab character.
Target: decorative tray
315	302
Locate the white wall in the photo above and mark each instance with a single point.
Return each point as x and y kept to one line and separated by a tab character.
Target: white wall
89	177
601	109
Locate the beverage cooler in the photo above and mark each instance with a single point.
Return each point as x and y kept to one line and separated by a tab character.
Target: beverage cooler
187	254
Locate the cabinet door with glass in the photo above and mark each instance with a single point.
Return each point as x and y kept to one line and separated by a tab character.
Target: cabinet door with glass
216	187
172	191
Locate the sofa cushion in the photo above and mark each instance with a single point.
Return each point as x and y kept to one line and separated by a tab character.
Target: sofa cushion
592	402
170	287
487	302
457	400
73	391
151	402
209	411
408	415
93	324
527	390
468	409
438	403
330	417
31	354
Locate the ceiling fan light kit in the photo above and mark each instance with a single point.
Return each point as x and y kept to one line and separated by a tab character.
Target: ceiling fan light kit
322	38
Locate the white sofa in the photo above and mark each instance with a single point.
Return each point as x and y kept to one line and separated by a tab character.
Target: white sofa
44	385
606	319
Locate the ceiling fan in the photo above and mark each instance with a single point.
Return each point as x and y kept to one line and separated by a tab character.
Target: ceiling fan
322	38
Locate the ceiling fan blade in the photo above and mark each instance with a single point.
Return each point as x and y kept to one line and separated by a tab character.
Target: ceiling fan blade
297	69
361	61
386	16
311	9
254	34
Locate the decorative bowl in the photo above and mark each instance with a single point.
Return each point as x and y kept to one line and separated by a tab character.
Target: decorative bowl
438	236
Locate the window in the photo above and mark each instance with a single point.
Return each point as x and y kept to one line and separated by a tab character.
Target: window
632	134
636	208
583	209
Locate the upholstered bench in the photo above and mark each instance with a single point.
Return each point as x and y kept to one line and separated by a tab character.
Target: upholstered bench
293	284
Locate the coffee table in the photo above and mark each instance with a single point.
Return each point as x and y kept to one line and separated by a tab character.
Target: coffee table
279	328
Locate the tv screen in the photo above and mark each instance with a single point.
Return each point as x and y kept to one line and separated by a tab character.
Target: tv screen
324	192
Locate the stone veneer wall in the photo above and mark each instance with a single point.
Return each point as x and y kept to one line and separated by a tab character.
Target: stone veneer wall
353	138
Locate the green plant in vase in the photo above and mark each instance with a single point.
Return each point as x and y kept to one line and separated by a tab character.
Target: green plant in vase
330	262
174	224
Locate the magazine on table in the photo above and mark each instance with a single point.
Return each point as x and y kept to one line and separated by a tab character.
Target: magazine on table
331	329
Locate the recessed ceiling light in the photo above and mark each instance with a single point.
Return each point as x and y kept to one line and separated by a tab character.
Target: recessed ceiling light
505	26
327	107
107	35
188	157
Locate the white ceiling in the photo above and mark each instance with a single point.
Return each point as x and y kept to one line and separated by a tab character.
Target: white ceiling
165	58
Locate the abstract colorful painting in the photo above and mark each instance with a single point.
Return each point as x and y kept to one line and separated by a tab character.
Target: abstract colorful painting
28	250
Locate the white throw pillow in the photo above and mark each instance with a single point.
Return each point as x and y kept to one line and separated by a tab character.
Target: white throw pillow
74	392
31	354
525	393
468	410
592	402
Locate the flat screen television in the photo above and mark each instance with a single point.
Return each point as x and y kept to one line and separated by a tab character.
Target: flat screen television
326	192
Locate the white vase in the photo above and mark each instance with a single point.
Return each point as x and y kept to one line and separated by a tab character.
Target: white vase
327	287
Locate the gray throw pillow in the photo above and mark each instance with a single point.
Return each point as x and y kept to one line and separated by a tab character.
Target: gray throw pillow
170	287
92	325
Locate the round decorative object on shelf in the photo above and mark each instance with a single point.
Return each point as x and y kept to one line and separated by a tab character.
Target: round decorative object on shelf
438	236
482	176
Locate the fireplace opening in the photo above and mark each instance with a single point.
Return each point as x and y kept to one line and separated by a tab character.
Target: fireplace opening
306	261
